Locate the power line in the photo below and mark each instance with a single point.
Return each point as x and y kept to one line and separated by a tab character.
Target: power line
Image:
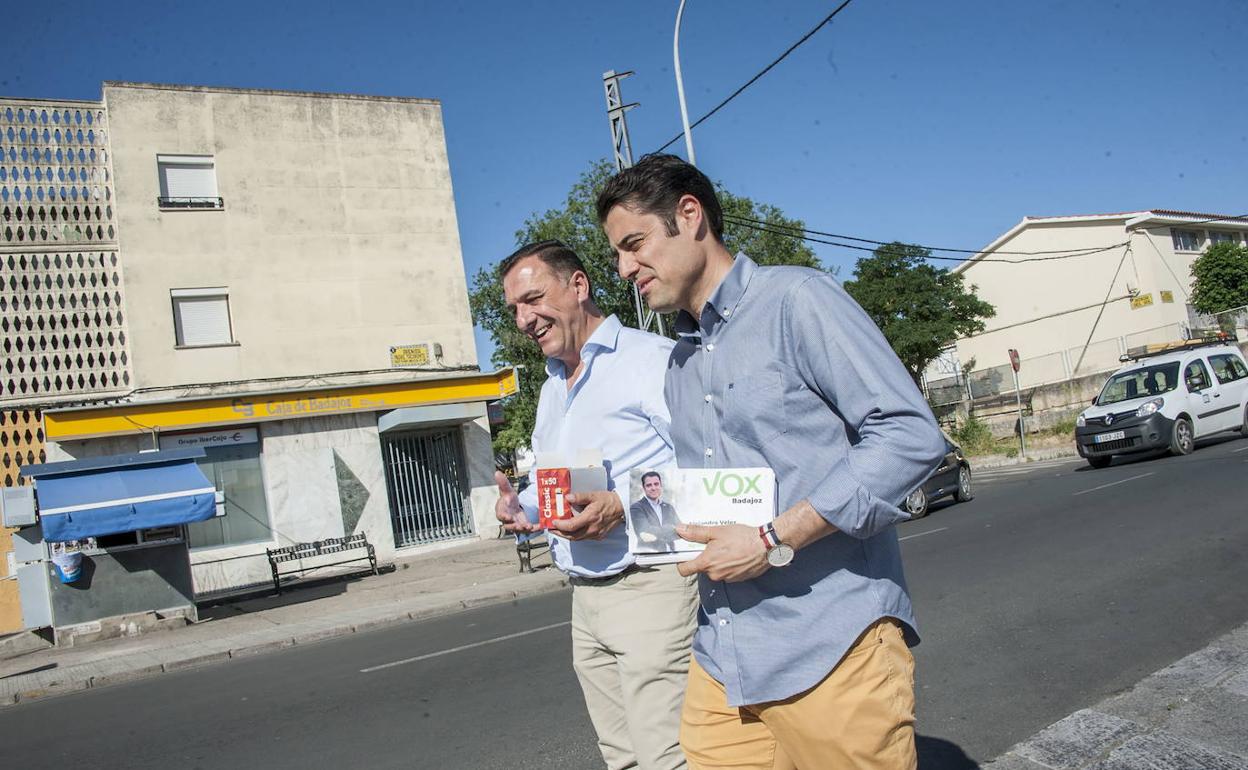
764	71
791	234
1087	249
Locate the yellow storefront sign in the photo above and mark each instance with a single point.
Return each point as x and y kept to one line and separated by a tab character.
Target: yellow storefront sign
1143	300
154	417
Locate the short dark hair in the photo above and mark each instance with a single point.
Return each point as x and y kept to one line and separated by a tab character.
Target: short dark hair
655	185
648	474
557	255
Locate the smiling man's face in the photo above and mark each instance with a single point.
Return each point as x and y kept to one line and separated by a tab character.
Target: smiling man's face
653	486
548	308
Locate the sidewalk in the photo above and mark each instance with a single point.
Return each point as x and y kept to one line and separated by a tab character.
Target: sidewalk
438	583
1192	714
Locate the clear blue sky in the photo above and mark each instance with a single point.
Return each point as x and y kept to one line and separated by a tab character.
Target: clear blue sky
939	123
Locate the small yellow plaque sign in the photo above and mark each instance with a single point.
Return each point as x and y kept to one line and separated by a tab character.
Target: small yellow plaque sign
1167	296
1144	300
409	355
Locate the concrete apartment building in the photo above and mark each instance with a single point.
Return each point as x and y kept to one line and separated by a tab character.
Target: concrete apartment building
1047	308
273	276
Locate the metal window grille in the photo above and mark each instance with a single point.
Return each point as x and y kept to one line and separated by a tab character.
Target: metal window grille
425	479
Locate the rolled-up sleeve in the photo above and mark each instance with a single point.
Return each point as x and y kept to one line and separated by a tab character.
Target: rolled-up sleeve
894	442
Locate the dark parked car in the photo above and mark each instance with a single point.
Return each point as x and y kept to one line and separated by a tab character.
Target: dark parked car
951	479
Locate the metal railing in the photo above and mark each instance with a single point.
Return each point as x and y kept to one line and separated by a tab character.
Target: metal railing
190	203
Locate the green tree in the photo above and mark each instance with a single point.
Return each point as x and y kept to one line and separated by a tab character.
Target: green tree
576	224
920	308
1220	278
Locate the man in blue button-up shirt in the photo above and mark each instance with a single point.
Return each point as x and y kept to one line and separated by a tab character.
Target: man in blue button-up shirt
631	627
801	656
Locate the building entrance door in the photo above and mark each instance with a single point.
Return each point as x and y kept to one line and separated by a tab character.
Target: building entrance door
425	480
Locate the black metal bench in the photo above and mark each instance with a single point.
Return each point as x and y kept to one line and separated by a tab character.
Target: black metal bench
529	544
281	558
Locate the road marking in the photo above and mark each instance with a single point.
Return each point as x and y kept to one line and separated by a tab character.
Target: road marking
463	647
1113	483
1237	451
921	534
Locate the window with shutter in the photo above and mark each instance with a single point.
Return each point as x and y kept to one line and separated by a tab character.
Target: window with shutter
188	181
202	317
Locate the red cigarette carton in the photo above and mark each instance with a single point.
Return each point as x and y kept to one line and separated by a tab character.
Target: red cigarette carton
553	486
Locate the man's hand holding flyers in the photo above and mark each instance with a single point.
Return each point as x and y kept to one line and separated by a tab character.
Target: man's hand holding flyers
734	552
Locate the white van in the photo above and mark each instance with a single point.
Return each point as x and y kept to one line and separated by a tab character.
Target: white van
1166	400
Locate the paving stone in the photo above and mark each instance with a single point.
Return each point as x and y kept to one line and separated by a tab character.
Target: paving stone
495	596
1205	667
123	671
1162	751
1078	739
375	624
247	648
198	659
1238	684
1012	761
311	635
1216	718
1150	702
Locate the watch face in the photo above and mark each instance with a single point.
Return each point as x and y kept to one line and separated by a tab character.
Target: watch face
780	556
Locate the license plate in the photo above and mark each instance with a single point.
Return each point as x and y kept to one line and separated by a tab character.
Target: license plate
1117	435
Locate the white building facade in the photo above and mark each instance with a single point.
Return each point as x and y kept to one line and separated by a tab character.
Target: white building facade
1074	293
273	276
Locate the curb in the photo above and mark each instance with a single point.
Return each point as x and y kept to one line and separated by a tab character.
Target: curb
1189	714
985	462
92	675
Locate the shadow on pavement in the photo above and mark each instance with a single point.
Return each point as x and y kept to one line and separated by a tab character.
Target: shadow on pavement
308	591
940	754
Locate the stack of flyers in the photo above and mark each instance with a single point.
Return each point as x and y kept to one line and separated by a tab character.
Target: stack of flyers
666	496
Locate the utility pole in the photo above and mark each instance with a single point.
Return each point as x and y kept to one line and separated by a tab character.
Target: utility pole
622	151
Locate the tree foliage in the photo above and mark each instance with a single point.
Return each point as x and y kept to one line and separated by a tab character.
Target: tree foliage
1220	278
920	308
576	224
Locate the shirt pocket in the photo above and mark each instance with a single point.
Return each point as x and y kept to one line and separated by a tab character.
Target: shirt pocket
754	409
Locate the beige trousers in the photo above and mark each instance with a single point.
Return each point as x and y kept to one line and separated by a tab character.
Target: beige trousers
860	717
630	649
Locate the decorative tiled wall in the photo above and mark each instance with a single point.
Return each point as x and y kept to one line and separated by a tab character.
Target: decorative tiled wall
62	329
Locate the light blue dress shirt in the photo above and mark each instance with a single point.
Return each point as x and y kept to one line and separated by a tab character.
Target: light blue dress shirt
785	370
616	406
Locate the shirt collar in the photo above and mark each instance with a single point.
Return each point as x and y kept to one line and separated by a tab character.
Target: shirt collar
605	337
724	299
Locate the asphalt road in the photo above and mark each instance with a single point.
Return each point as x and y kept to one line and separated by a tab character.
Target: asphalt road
1057	586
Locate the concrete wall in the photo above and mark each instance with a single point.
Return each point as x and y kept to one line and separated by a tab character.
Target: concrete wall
338	236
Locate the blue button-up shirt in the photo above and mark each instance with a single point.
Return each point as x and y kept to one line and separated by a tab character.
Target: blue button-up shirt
616	405
785	370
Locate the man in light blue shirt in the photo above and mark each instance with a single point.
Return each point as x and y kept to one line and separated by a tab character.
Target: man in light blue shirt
801	656
631	627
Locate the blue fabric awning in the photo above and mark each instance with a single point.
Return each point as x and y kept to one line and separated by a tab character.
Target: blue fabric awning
122	493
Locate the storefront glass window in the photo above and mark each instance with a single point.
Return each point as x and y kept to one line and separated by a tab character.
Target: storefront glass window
234	470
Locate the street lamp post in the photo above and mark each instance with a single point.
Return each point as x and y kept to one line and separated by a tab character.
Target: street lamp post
680	86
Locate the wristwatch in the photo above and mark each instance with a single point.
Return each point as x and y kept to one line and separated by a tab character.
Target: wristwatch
778	554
